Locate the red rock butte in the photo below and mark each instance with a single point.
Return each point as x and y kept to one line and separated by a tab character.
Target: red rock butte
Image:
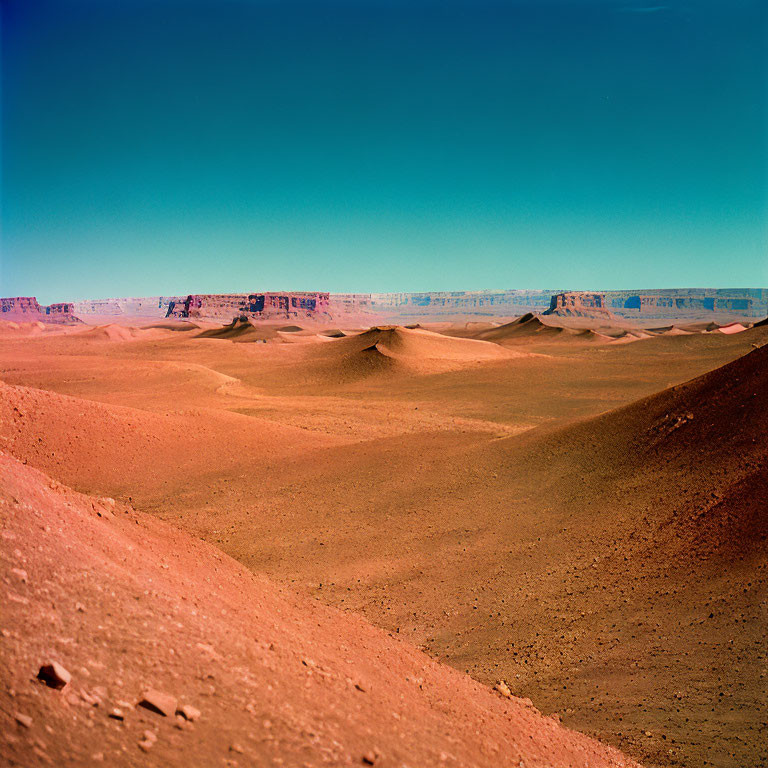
26	308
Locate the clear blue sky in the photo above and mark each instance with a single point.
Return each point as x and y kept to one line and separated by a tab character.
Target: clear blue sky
172	146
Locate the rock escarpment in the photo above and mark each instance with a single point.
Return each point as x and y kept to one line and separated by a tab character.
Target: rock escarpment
227	306
662	303
578	304
27	309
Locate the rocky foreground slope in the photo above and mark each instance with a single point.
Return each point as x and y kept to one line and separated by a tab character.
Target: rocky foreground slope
156	649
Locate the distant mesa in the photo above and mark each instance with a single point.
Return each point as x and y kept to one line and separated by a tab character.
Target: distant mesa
578	304
366	309
261	306
661	303
26	309
146	306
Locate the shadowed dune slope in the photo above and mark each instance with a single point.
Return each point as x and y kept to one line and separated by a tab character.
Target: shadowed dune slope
526	326
125	603
714	420
175	325
240	330
655	540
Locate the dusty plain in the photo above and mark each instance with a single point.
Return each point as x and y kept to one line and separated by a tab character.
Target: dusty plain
579	512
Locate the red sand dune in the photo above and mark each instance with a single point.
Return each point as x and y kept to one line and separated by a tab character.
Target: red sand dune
92	444
417	343
531	328
240	331
526	326
125	603
732	328
399	350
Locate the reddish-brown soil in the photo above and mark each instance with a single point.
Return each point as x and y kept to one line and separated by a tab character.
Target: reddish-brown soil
126	603
526	516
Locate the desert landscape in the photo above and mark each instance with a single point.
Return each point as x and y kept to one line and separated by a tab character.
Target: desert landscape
291	539
383	384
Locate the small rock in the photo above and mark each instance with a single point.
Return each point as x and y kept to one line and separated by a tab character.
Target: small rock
369	758
54	675
90	698
188	712
158	702
503	689
648	734
145	745
98	757
20	573
14	598
24	720
117	714
236	748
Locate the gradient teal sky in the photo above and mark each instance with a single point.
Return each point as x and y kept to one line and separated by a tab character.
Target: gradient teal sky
173	146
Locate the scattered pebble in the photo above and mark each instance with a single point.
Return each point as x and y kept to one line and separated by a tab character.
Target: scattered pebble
24	720
54	675
503	689
158	702
189	712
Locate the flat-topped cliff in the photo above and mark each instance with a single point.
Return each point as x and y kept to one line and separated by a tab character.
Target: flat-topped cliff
27	309
688	303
